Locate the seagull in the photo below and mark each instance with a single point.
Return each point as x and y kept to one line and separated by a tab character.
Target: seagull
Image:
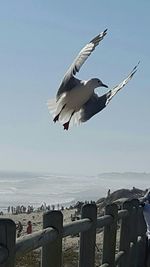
74	93
76	101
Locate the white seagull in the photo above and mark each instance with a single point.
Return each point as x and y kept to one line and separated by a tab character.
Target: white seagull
76	101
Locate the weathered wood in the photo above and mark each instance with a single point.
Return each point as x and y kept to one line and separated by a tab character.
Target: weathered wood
88	238
122	214
7	242
76	227
104	220
119	257
142	240
35	240
52	252
142	253
134	232
125	234
104	265
38	239
3	254
109	242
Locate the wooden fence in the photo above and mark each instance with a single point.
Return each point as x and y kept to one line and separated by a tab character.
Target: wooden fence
132	241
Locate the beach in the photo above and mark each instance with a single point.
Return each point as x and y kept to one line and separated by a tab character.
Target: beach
26	196
69	214
36	219
70	244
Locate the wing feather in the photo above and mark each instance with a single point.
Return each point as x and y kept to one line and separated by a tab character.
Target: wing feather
96	103
69	81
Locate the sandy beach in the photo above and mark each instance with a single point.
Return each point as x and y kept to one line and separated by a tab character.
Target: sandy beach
37	224
36	218
71	243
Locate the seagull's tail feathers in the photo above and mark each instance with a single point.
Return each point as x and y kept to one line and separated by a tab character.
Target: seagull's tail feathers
66	115
52	106
55	106
76	119
117	88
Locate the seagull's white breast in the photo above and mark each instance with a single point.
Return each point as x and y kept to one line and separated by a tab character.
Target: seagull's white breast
78	96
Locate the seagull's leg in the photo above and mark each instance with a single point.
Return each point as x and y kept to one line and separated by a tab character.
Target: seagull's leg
57	116
66	124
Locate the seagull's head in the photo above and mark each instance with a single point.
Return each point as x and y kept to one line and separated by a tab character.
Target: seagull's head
97	83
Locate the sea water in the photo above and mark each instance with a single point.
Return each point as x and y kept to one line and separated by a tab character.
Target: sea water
52	189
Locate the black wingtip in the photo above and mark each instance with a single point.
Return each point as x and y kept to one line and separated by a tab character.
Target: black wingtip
137	64
105	32
135	68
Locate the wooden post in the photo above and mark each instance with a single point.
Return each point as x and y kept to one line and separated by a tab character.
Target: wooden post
7	242
134	232
110	231
125	234
88	238
52	252
142	229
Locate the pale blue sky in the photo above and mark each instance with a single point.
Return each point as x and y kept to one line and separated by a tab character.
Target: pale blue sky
38	41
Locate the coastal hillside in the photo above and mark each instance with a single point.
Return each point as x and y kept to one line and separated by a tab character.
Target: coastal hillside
119	196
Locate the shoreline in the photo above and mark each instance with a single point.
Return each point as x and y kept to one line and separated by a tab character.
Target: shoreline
35	215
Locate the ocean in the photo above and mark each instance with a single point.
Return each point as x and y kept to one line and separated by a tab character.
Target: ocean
36	188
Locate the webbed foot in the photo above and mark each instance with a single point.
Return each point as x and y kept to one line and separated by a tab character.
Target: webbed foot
66	125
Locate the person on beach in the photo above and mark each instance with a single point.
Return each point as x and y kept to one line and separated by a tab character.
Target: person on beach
29	227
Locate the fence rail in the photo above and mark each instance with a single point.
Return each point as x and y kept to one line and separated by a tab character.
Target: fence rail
132	243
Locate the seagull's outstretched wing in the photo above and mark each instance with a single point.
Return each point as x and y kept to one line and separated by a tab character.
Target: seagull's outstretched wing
96	103
69	81
122	84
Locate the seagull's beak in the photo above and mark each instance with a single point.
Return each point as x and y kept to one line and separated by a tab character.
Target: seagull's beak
104	85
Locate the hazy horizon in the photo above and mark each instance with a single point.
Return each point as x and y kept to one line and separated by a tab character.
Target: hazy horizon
73	174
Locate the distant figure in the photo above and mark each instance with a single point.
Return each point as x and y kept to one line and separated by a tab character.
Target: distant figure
108	199
108	193
8	209
53	207
12	209
29	227
19	227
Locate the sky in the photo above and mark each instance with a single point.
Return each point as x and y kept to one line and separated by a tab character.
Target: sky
38	42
